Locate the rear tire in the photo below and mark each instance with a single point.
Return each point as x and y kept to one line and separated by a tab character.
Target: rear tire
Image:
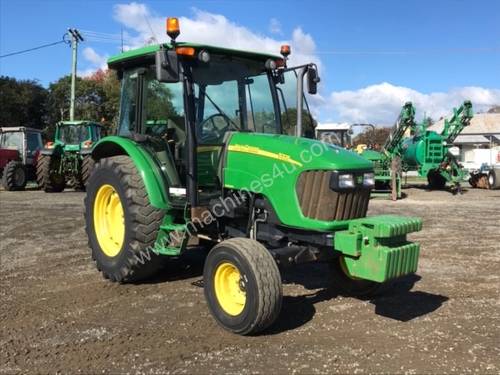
436	180
242	286
47	180
351	286
14	176
494	179
130	258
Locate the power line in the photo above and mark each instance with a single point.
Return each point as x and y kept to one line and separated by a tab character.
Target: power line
32	49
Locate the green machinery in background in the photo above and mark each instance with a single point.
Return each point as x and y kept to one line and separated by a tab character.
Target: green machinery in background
424	151
67	160
201	155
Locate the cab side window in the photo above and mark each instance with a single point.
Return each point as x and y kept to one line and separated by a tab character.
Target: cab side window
128	104
34	142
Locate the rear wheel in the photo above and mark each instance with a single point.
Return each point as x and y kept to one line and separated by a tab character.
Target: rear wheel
14	176
242	286
121	225
47	174
436	180
494	179
350	285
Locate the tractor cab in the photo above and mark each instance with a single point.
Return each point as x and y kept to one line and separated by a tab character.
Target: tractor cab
213	93
19	149
76	135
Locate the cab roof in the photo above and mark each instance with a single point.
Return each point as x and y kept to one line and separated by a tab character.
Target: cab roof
146	51
19	129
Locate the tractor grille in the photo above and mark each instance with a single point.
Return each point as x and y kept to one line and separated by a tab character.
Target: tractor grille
319	202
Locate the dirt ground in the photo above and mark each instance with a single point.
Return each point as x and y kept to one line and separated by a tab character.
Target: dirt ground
58	314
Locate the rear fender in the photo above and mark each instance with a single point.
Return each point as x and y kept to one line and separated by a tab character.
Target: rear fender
55	149
47	151
145	164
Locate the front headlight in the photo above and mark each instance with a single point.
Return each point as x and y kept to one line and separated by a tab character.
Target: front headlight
369	179
346	181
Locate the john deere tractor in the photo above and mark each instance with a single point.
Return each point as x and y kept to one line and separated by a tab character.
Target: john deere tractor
67	160
200	155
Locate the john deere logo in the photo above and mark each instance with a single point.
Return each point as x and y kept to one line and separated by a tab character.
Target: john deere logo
359	179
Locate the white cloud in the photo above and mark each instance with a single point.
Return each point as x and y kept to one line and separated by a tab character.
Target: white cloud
381	103
93	57
378	104
275	26
94	62
209	28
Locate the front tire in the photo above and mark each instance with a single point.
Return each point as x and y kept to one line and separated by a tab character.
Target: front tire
121	224
46	177
349	285
14	176
242	286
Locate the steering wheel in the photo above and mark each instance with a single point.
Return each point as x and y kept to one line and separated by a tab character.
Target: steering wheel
219	133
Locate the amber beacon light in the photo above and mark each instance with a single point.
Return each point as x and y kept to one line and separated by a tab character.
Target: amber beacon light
173	28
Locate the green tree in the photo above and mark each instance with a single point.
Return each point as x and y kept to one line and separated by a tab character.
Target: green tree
22	103
96	99
289	122
372	137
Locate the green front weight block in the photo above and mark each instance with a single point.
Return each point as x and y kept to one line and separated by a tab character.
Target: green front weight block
375	248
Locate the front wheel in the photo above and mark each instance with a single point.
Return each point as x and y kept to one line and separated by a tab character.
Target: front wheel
242	286
14	176
121	224
350	285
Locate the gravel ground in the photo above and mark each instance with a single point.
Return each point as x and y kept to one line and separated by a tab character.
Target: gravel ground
59	315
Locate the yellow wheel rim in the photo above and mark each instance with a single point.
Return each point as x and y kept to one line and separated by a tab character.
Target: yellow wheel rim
109	221
229	289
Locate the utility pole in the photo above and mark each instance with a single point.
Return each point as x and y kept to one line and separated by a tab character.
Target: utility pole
75	39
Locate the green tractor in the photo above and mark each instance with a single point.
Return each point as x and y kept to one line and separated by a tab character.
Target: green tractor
201	157
67	160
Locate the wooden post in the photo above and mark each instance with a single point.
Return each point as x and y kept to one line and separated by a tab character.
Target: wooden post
394	177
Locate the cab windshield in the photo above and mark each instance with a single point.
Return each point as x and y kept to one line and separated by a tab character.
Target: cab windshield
73	134
233	94
11	140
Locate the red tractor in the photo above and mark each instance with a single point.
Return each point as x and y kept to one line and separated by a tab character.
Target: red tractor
19	150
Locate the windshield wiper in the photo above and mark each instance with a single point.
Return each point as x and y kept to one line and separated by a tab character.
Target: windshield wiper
219	109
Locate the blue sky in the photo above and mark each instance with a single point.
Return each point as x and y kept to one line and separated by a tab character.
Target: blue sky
416	49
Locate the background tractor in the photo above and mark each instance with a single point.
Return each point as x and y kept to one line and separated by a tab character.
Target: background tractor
19	150
67	160
201	153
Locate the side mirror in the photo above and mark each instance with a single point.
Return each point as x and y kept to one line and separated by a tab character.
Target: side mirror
312	80
167	66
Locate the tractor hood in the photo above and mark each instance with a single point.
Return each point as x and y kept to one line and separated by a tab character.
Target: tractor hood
295	175
304	153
